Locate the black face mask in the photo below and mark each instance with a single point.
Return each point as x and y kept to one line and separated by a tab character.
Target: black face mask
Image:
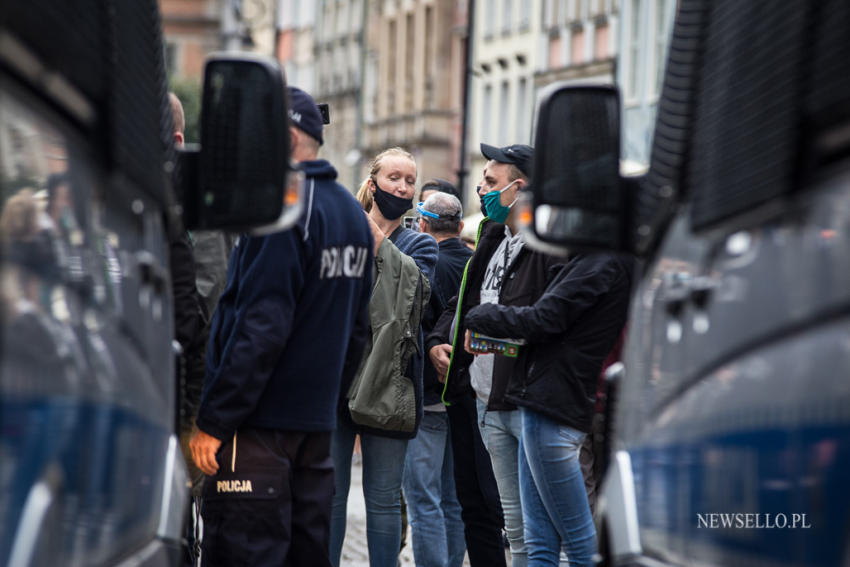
481	197
391	207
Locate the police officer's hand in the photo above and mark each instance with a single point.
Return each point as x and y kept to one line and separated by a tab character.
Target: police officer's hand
377	234
440	356
204	447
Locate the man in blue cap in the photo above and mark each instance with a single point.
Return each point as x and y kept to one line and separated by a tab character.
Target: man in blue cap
288	335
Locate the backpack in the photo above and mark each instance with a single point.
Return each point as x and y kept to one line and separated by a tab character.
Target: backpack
381	396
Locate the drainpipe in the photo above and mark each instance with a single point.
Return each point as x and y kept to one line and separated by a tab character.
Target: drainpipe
467	79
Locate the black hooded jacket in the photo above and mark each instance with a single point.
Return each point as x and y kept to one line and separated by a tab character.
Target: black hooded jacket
524	281
570	329
447	275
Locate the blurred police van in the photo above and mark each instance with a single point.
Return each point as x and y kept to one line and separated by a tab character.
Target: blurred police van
731	415
91	189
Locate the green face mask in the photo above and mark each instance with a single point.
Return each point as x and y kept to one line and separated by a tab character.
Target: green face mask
493	206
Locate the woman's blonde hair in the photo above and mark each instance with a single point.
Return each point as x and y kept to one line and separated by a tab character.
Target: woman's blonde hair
364	195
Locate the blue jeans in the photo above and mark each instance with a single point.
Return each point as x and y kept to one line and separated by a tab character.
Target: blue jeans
429	490
383	465
554	500
501	432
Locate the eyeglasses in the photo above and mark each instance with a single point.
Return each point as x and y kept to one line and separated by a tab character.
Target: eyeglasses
420	208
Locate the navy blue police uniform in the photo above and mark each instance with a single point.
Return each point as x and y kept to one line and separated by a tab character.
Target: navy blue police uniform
287	337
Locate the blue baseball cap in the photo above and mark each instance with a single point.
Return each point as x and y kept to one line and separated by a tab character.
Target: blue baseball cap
304	114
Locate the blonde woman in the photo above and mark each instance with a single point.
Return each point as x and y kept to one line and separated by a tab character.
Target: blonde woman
385	195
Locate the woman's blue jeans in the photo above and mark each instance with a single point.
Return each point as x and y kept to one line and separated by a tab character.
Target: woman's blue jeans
554	501
383	466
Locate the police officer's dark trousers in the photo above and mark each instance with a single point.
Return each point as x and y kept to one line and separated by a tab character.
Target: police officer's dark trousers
270	502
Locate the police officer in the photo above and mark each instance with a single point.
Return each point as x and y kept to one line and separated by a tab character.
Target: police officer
288	333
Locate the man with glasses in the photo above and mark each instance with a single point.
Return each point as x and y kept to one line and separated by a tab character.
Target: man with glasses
429	488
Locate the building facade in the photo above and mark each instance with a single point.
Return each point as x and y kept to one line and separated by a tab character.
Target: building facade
412	96
505	58
251	26
578	42
337	79
296	29
191	29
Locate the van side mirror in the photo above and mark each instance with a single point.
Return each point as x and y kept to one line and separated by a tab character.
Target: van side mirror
239	178
578	200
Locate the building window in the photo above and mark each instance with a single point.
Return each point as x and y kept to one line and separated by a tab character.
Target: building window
524	15
370	86
305	76
574	11
342	18
326	27
489	17
429	39
354	65
601	42
486	114
391	69
409	60
356	15
340	63
577	47
285	15
171	58
306	14
555	52
504	112
507	16
633	43
662	10
549	19
523	112
429	49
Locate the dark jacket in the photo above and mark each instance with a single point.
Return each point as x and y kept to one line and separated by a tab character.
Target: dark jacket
570	331
190	327
422	248
211	249
291	324
454	255
524	282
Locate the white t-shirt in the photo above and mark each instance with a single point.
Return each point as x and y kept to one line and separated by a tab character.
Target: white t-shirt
481	369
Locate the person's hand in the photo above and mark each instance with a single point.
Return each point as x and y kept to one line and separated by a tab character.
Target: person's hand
440	356
204	447
467	344
377	233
